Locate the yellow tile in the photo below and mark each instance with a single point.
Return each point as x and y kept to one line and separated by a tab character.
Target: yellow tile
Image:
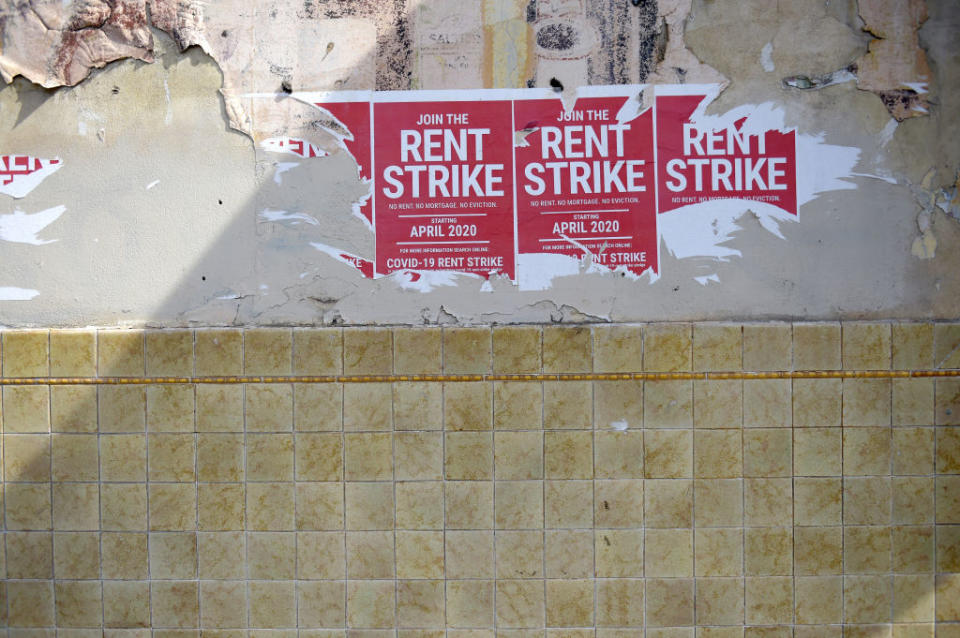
272	604
717	454
567	405
817	501
816	346
267	351
568	504
76	506
569	603
420	603
367	406
620	603
718	502
567	349
175	604
171	457
667	347
26	409
370	604
222	555
370	554
321	604
818	551
867	599
321	555
568	455
29	554
122	408
668	503
913	402
270	457
947	597
668	404
169	353
220	457
125	556
517	405
269	407
318	457
74	457
173	555
466	350
420	554
819	600
123	457
866	346
618	454
270	506
518	455
668	453
768	551
73	408
520	603
419	505
668	552
369	505
27	457
617	348
469	504
767	501
718	403
618	503
767	452
272	555
946	345
767	403
73	353
720	601
417	406
819	631
717	347
866	451
913	598
768	600
519	554
30	603
126	604
120	353
620	553
569	553
417	350
220	408
817	452
317	407
947	403
912	346
816	402
948	451
669	602
768	347
948	548
519	504
866	501
222	603
468	456
26	353
123	506
79	604
368	456
319	506
367	351
173	507
170	408
317	351
76	555
866	402
468	405
948	499
516	349
469	554
866	550
469	603
618	404
219	352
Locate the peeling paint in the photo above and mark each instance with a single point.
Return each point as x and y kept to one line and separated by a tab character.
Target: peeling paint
766	58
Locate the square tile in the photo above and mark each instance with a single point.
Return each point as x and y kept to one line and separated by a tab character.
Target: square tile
470	603
667	552
368	456
947	595
617	348
947	548
318	407
768	551
718	503
30	603
818	452
819	600
321	604
319	506
468	456
27	457
768	600
719	601
468	504
866	402
866	346
270	457
122	507
618	404
220	457
817	501
569	603
268	407
371	604
668	347
718	403
620	603
668	404
419	505
866	501
620	553
946	339
767	502
468	405
122	408
670	602
170	408
317	351
419	554
717	347
222	604
267	351
913	598
222	555
520	603
668	503
173	555
948	451
867	599
816	346
567	349
668	453
272	604
270	506
126	604
218	352
818	551
73	408
30	555
272	555
169	353
417	351
517	455
173	507
171	457
866	550
517	405
518	504
417	406
466	350
120	353
516	349
618	454
768	347
125	556
866	451
767	403
568	504
717	454
220	408
519	554
26	408
618	503
567	405
469	554
27	506
78	604
817	402
418	455
913	401
73	353
767	452
76	555
26	353
569	553
568	455
370	554
367	351
948	498
420	603
911	346
76	506
369	505
947	401
123	457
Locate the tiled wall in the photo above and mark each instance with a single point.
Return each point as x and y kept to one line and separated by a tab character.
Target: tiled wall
720	508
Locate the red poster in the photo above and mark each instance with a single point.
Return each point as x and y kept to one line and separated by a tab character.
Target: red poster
585	181
699	162
354	116
443	185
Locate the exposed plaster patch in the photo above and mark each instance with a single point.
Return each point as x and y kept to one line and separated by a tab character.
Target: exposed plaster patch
766	58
